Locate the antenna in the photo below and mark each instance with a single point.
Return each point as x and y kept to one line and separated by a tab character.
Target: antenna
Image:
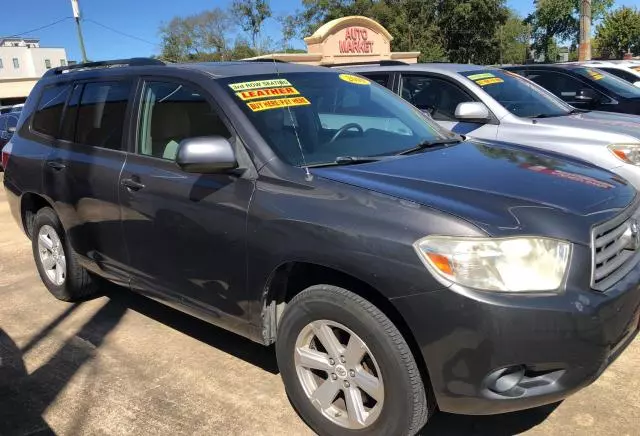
308	176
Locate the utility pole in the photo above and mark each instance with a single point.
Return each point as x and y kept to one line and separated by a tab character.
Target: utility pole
584	52
76	14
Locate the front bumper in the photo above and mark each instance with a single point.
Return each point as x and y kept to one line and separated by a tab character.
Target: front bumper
564	341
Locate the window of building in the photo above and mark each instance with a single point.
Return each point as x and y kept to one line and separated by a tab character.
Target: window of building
47	63
172	112
47	117
16	63
101	114
63	62
1	64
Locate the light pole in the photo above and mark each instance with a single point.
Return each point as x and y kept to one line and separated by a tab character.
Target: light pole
584	52
76	14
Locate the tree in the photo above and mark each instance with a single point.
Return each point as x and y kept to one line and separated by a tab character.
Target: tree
560	19
251	14
514	40
199	37
619	32
469	29
289	24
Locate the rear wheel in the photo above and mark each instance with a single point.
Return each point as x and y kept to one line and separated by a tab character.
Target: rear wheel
56	263
346	367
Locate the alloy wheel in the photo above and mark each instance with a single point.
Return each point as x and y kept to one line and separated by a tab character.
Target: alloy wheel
52	258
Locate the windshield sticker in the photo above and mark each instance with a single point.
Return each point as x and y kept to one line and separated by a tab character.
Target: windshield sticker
269	92
492	81
273	83
636	68
257	106
595	75
480	76
354	79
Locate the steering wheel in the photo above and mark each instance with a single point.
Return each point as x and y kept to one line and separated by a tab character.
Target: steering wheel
344	128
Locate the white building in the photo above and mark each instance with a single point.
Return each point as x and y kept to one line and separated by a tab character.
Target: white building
22	63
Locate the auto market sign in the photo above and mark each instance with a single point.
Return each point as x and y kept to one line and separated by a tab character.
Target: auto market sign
355	40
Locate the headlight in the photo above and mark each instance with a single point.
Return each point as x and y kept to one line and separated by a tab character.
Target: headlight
497	264
629	153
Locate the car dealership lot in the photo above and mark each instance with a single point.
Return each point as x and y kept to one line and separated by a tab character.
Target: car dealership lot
122	364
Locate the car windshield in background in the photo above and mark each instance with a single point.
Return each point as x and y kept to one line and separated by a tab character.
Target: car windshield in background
330	115
518	95
610	82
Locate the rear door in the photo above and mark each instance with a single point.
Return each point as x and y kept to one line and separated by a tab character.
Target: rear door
82	172
185	232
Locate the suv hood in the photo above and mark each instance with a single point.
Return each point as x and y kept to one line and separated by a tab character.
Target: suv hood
501	188
600	122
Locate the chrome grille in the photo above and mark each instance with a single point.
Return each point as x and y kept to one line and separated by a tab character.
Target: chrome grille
615	250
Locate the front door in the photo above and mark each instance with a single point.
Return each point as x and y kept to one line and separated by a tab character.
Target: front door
185	232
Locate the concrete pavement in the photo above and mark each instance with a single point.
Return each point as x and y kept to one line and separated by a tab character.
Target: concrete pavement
125	365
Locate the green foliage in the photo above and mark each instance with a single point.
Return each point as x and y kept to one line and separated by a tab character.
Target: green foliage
560	19
251	15
513	38
619	33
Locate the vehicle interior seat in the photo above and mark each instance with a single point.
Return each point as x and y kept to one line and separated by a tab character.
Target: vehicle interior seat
170	124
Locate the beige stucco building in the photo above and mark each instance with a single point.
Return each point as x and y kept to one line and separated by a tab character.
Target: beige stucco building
22	63
347	40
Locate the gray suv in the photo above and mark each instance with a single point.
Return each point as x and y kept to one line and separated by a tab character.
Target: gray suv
494	104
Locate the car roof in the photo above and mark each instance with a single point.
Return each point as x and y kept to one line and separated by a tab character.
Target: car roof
428	67
214	69
546	66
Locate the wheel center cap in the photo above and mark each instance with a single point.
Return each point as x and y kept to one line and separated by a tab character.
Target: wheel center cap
341	371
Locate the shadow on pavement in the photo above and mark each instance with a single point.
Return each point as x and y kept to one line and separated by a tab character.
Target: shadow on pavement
508	424
231	343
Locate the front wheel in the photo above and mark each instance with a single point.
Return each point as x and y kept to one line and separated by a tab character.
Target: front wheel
346	367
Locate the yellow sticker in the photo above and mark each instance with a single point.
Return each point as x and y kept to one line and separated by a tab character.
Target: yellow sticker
491	81
269	92
354	79
636	68
264	105
480	76
595	75
259	84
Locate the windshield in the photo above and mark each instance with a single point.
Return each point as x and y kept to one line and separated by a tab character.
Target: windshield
518	95
330	115
609	82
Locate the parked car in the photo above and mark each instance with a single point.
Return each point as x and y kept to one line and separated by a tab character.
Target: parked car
8	123
396	267
493	104
584	87
626	70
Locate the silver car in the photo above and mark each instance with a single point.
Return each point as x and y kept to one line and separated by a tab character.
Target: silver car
490	103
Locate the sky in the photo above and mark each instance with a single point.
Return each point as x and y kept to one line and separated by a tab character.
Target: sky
140	19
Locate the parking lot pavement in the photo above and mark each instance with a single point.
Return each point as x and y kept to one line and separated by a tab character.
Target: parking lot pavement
124	365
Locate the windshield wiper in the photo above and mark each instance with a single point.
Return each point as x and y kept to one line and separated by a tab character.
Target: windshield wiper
575	110
350	160
428	144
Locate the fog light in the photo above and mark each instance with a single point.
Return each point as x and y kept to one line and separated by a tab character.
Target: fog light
505	379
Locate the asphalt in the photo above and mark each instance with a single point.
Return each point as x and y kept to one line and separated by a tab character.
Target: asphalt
124	365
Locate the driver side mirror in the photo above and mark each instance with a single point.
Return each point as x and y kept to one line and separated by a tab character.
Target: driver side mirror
473	111
587	95
206	155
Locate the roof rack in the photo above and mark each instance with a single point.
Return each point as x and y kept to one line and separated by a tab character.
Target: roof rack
132	62
385	63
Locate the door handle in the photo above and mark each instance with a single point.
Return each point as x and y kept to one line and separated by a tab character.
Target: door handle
132	184
58	166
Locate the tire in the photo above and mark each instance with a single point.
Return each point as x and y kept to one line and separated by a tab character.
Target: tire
76	284
401	406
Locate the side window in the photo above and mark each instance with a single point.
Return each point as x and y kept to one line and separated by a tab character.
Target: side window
562	85
101	114
70	120
437	96
172	112
380	79
47	117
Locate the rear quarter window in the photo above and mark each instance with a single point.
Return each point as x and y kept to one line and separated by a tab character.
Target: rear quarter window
49	111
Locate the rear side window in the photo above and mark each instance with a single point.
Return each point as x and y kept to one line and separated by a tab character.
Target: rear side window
100	116
380	79
68	131
47	117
